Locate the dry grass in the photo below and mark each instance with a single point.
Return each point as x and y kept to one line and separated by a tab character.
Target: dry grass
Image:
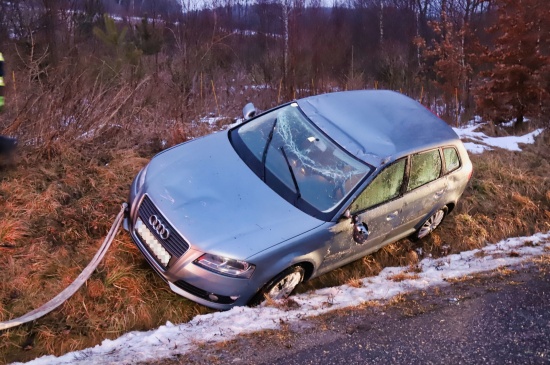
355	282
462	279
403	276
67	205
370	304
505	271
399	298
544	259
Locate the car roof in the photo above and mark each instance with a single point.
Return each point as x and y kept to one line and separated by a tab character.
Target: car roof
377	126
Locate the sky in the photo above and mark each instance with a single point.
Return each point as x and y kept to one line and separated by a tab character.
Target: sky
177	339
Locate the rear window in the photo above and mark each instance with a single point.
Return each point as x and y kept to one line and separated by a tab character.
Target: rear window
425	167
452	162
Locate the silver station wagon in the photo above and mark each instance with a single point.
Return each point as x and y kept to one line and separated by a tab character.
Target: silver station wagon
237	216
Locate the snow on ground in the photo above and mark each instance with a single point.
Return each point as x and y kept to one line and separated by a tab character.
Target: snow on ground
212	120
172	339
482	142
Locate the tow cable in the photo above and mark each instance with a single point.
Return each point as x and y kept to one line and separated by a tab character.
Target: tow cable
76	284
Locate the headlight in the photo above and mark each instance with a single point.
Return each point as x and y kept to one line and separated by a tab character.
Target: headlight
225	266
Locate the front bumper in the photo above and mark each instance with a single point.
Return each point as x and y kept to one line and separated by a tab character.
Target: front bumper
189	280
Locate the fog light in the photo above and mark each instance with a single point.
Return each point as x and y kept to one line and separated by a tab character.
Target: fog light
213	297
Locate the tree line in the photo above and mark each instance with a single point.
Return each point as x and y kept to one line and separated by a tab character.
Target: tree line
460	57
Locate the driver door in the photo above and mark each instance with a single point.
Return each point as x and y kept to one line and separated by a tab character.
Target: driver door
379	207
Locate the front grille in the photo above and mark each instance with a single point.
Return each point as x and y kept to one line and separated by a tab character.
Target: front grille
174	244
222	299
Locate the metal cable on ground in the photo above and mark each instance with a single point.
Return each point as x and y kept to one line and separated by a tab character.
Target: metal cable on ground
75	285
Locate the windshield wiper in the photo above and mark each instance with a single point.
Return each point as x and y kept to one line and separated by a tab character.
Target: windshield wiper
269	138
298	195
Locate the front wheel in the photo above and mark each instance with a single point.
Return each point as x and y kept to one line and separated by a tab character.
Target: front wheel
430	224
281	286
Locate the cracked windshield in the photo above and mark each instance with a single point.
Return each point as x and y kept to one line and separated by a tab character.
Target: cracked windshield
292	152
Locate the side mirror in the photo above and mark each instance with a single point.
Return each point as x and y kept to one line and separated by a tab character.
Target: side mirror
249	111
360	230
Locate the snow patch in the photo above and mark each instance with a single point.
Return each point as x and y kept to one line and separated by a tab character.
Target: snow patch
170	340
211	120
482	142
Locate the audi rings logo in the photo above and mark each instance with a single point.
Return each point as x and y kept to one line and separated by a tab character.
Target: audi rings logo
159	227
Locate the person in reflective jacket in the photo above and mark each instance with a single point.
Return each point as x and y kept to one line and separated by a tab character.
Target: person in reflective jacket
7	145
1	81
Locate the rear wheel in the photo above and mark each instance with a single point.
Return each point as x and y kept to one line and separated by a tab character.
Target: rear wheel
281	286
431	223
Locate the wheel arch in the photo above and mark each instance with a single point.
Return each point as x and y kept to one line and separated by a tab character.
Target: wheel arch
450	207
444	207
414	236
308	268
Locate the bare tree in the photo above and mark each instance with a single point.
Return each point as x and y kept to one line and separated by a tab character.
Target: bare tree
512	87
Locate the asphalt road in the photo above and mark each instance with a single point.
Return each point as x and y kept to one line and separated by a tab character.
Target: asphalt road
501	317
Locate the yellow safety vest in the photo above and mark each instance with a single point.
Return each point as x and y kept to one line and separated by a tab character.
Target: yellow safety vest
1	81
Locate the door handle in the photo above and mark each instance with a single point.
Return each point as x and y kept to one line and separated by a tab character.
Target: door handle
392	215
438	194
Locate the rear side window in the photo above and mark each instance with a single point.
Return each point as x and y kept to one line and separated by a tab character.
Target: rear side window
425	167
452	162
384	187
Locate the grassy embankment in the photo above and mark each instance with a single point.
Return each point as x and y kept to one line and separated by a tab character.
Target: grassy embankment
82	144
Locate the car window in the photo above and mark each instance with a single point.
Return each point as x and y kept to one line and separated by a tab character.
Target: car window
256	133
452	162
384	187
297	160
425	167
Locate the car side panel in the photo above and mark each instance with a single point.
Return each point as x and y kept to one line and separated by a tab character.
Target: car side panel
420	202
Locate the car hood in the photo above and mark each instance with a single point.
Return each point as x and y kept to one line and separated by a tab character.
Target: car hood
217	203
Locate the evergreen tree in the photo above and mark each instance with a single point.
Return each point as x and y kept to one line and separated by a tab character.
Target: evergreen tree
149	39
125	53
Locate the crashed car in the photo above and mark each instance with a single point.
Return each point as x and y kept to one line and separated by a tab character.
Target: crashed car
238	216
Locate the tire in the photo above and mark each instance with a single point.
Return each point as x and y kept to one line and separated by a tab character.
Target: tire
281	286
430	224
